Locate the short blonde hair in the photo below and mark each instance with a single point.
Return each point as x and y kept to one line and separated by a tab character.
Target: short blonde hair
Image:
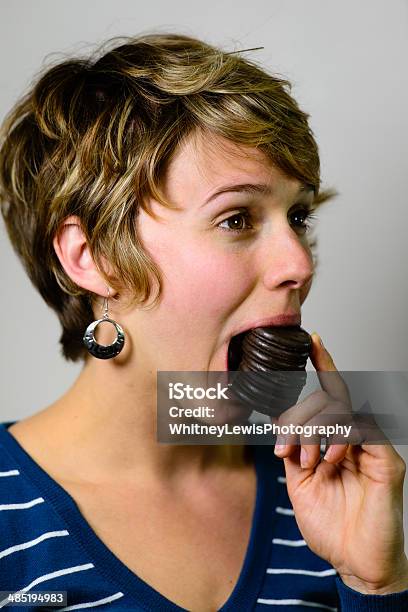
93	137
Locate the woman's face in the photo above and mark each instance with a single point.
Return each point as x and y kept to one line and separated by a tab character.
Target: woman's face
230	262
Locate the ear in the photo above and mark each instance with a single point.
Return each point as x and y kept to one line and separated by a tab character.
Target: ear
72	250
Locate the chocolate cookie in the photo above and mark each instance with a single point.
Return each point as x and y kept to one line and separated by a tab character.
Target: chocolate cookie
271	372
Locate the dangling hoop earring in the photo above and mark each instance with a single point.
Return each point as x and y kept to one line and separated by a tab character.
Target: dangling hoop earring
104	351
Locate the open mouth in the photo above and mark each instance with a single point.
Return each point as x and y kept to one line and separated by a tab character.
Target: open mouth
235	351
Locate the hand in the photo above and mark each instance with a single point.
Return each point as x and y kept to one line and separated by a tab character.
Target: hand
348	506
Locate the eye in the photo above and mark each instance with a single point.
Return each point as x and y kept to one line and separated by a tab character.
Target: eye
301	218
239	222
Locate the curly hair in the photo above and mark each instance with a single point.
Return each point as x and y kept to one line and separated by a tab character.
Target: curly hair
93	137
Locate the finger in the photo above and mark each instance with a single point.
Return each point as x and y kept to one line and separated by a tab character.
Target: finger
295	474
335	453
378	462
309	448
331	416
328	375
298	415
316	409
285	445
365	430
336	420
309	455
311	442
320	356
306	409
293	470
382	462
381	451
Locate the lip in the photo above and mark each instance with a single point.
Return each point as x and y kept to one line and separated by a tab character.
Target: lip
280	320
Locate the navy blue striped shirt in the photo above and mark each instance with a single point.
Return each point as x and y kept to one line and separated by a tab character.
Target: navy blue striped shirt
47	545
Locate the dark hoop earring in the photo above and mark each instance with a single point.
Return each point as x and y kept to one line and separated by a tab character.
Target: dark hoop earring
104	351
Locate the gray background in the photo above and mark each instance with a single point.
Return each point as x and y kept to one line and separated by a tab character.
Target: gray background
347	63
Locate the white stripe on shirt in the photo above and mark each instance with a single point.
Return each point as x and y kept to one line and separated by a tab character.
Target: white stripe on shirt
41	538
319	574
22	506
91	604
289	542
288	511
10	473
45	577
295	602
281	479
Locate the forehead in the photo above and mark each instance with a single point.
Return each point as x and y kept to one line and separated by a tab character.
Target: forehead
205	162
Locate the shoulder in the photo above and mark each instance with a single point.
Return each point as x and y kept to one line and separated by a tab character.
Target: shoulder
26	519
16	487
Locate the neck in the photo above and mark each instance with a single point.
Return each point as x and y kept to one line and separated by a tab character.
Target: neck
109	418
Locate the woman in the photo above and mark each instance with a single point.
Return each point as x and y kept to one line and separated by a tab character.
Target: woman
170	184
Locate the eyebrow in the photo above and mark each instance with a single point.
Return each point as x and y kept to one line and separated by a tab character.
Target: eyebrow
252	188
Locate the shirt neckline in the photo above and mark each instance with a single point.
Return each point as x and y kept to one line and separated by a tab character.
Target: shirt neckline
256	557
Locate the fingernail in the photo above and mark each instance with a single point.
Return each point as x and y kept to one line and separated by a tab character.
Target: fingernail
279	446
321	342
303	457
328	453
318	337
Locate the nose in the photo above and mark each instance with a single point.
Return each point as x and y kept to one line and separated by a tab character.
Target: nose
287	261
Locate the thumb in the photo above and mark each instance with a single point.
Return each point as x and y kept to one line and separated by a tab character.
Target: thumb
320	356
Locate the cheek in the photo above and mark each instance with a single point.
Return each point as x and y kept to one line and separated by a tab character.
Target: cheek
204	281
